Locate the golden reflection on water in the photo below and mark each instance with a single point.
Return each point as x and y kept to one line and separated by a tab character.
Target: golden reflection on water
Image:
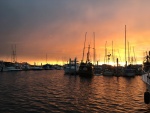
52	91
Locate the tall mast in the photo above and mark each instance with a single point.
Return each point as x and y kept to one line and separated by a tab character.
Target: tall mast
13	57
84	47
134	55
94	49
12	53
119	55
88	54
46	58
128	53
105	59
125	48
15	54
112	52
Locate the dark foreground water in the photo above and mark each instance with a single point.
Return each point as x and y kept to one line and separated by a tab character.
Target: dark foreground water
52	91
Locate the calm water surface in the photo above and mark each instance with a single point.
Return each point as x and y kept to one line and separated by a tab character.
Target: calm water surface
52	91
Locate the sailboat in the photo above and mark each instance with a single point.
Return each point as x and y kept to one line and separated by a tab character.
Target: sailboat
13	65
128	70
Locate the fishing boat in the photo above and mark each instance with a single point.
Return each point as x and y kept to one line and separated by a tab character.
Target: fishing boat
72	67
86	68
146	78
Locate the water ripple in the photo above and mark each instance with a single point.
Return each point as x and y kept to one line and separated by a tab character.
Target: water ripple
52	91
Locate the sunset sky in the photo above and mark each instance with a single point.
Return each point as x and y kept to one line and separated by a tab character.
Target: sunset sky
57	28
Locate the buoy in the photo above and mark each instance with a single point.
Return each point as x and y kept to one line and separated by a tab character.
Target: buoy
147	97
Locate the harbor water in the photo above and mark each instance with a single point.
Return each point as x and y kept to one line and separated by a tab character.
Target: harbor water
53	92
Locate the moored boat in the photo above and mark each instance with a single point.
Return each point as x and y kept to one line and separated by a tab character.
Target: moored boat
86	69
48	67
36	68
107	70
9	66
146	78
97	70
129	72
72	68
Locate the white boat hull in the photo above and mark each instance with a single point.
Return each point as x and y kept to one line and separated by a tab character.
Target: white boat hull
146	78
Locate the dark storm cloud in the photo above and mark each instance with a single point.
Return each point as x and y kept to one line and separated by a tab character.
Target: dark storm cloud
29	14
42	24
21	19
26	14
31	23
